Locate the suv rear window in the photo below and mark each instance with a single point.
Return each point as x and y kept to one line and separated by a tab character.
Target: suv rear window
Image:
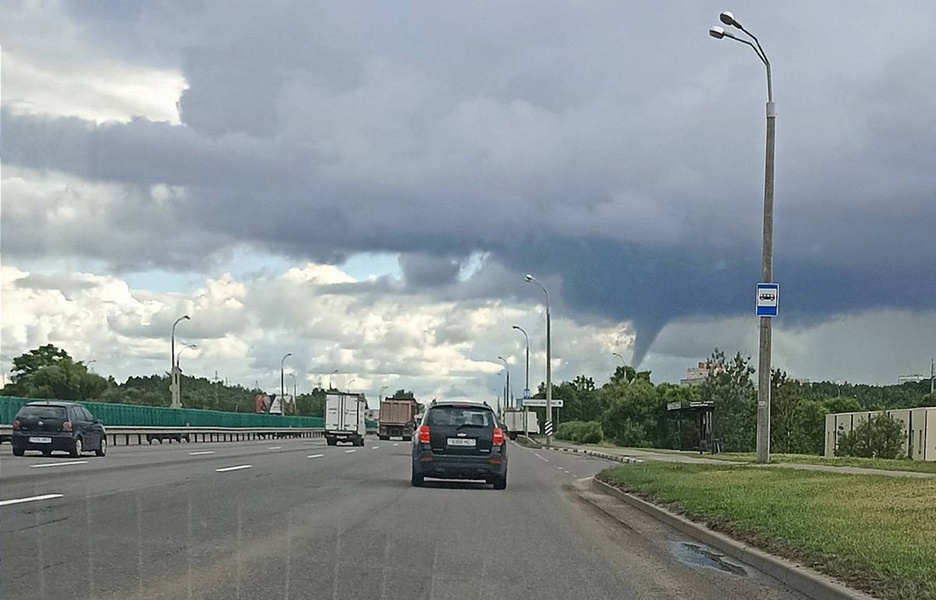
42	412
457	416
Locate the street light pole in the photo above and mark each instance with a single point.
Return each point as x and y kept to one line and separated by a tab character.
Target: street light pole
530	279
526	389
330	379
178	383
507	384
283	382
173	377
295	392
764	349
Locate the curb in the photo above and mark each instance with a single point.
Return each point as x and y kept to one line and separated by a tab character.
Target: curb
613	457
802	579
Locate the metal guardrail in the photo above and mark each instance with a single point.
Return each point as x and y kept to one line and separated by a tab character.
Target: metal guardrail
195	434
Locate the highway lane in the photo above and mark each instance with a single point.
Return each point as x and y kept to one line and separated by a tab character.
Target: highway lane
311	521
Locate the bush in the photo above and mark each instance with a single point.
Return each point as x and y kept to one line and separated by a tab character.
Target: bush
880	436
580	432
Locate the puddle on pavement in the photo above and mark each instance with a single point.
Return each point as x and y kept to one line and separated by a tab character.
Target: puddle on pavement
697	555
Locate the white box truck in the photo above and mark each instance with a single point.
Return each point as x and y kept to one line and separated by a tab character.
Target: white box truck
513	420
344	418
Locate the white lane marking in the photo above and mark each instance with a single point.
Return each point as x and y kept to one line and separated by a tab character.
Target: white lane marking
397	444
237	468
315	456
274	447
61	464
541	458
201	452
560	468
30	499
374	447
349	451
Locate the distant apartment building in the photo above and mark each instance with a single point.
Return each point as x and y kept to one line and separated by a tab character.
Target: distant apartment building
696	375
912	378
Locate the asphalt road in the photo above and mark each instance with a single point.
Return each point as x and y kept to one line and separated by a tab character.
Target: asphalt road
299	519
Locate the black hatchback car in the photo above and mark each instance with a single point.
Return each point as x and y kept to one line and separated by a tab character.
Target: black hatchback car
54	425
459	440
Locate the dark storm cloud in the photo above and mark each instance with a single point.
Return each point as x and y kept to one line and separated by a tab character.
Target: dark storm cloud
624	160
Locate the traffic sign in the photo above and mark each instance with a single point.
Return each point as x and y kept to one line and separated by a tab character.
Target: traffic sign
526	393
768	299
541	402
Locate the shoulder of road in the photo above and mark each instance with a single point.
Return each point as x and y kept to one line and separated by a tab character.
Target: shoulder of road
781	517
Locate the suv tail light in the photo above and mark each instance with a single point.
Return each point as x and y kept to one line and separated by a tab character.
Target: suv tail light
16	423
424	434
67	426
498	438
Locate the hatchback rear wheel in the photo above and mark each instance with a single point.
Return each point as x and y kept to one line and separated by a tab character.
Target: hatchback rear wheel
501	483
18	451
417	480
102	447
78	449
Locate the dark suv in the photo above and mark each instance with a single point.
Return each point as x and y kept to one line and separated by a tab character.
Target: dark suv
48	426
460	440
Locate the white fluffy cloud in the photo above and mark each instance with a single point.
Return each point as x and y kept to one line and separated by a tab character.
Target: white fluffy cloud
317	312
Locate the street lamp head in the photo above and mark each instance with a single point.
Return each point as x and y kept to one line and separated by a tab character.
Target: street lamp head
728	19
529	278
186	317
717	32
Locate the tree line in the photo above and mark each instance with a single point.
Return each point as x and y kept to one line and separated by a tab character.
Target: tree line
628	410
49	372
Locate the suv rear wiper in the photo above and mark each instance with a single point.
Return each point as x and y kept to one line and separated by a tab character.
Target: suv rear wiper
469	425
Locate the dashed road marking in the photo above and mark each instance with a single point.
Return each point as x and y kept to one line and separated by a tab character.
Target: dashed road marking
374	447
315	456
540	457
201	452
237	468
30	499
350	451
58	464
274	447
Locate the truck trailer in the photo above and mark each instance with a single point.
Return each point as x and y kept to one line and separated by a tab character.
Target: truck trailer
344	418
397	418
513	420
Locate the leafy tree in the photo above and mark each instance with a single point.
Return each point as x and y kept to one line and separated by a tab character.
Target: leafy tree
841	404
631	416
49	372
401	393
730	387
879	436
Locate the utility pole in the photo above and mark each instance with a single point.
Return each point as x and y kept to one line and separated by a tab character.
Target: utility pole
932	374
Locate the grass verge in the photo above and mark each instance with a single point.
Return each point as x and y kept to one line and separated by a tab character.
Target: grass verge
876	533
917	466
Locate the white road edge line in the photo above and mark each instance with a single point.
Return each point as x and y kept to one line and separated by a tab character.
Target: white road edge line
350	451
237	468
60	464
201	452
315	456
274	447
30	499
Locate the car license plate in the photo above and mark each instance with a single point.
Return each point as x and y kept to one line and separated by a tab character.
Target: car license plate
464	442
40	440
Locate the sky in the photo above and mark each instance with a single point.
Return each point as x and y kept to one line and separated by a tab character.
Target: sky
365	186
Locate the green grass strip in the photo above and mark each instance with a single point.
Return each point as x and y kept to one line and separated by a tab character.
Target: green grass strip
876	533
